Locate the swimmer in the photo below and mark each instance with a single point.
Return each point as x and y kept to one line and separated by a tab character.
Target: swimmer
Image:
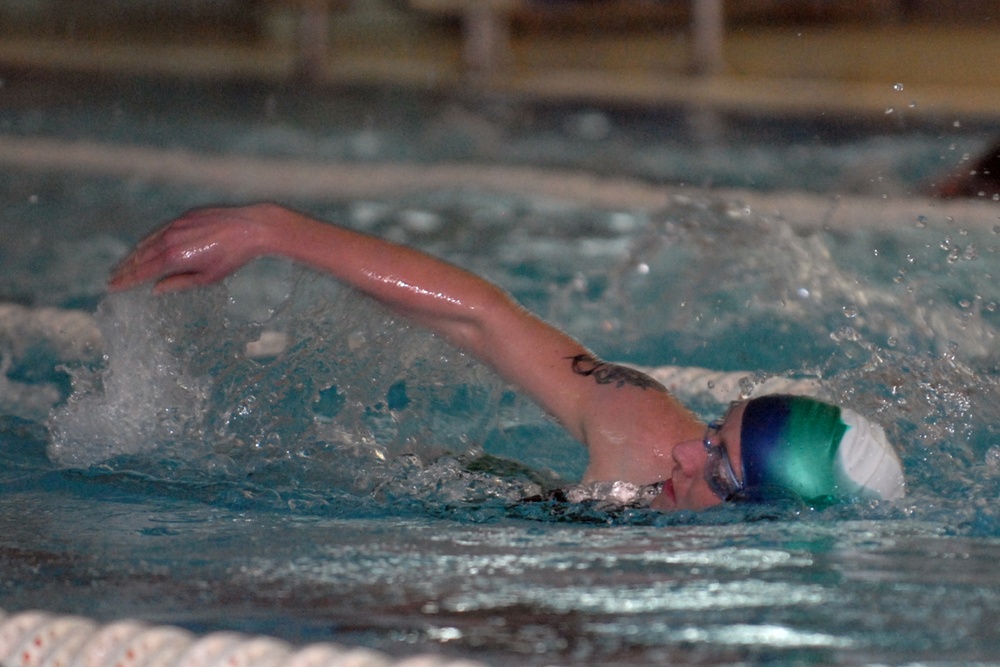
634	429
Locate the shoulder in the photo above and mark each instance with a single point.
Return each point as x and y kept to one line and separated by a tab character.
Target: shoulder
612	374
631	423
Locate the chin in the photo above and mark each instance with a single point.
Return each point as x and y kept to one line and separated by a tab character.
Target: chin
663	504
666	501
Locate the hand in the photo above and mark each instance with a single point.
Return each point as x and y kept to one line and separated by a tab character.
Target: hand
198	248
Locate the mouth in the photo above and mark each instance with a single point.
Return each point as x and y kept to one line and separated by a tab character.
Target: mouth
667	498
669	492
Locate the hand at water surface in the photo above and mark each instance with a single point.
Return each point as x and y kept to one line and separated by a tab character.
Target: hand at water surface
199	248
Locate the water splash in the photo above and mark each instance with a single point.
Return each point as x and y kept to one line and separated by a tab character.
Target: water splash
143	397
343	396
302	388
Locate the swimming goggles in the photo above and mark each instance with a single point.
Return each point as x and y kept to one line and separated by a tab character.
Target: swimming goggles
719	471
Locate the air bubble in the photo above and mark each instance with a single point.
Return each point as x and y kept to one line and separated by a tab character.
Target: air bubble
845	334
898	87
850	311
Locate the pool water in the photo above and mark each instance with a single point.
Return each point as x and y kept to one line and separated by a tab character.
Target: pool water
360	482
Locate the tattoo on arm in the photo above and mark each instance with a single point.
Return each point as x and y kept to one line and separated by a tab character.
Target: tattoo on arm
605	373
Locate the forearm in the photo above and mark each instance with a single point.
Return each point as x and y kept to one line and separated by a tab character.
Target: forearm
434	293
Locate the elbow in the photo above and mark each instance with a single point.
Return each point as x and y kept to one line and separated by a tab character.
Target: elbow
486	325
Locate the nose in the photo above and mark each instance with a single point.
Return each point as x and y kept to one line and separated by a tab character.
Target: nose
690	456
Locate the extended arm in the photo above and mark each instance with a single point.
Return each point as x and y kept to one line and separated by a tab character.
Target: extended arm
603	411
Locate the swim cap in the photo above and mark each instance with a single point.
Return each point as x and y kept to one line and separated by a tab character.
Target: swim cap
818	451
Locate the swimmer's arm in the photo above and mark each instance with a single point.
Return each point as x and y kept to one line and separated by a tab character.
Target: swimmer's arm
205	245
612	409
468	311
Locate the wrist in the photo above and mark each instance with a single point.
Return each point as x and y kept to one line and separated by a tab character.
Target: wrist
270	225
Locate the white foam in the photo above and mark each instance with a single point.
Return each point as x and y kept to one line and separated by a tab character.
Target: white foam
141	397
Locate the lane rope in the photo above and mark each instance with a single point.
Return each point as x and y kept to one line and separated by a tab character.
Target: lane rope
41	639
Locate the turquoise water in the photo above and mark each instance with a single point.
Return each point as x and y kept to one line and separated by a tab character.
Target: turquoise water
361	484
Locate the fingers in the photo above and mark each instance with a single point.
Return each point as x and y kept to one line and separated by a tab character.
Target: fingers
131	272
199	248
141	265
156	256
178	282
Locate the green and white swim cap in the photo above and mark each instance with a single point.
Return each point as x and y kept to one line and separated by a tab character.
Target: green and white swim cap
818	451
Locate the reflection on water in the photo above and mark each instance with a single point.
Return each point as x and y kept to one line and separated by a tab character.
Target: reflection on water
277	455
514	592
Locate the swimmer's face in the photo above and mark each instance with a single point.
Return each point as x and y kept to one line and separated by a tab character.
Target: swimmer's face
688	487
